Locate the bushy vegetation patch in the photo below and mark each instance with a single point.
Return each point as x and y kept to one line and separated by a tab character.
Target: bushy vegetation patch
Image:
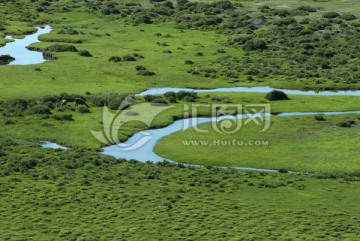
61	48
276	95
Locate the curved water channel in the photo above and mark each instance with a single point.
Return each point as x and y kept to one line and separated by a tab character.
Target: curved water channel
18	50
146	151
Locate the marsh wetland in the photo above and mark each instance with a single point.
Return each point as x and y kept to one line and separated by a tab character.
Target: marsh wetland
180	78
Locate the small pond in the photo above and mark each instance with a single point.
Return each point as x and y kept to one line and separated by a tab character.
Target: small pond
18	50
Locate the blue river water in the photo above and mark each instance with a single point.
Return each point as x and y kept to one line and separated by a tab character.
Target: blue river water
18	50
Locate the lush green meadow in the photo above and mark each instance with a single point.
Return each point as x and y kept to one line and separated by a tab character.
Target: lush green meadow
78	195
102	51
294	143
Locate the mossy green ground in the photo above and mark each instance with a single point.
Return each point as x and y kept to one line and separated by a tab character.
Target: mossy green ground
294	143
80	195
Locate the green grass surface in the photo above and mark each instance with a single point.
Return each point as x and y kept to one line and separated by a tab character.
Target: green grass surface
83	196
79	194
294	143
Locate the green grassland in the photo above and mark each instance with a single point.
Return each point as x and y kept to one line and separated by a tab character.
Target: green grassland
294	143
105	36
77	195
80	194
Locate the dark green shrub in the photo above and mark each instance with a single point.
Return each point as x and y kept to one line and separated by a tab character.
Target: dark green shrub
115	59
68	31
128	57
146	73
140	67
61	48
172	99
84	109
319	118
348	17
255	44
331	15
39	109
276	95
9	122
307	9
50	98
112	100
189	62
67	117
167	51
170	94
199	54
346	124
149	98
137	55
85	53
159	101
182	94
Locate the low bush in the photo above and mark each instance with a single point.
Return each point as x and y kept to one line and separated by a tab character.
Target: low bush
128	57
331	15
85	53
61	48
115	59
149	98
39	109
60	117
146	73
84	109
276	95
319	118
344	124
140	67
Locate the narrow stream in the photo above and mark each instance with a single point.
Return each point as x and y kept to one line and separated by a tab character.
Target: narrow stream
256	89
146	152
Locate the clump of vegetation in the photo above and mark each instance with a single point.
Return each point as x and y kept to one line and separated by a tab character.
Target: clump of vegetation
347	124
331	15
112	100
128	57
189	61
84	109
63	117
276	95
141	70
69	31
61	48
115	59
85	53
146	73
320	118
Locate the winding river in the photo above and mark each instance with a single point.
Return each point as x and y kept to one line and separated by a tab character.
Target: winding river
18	50
146	151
